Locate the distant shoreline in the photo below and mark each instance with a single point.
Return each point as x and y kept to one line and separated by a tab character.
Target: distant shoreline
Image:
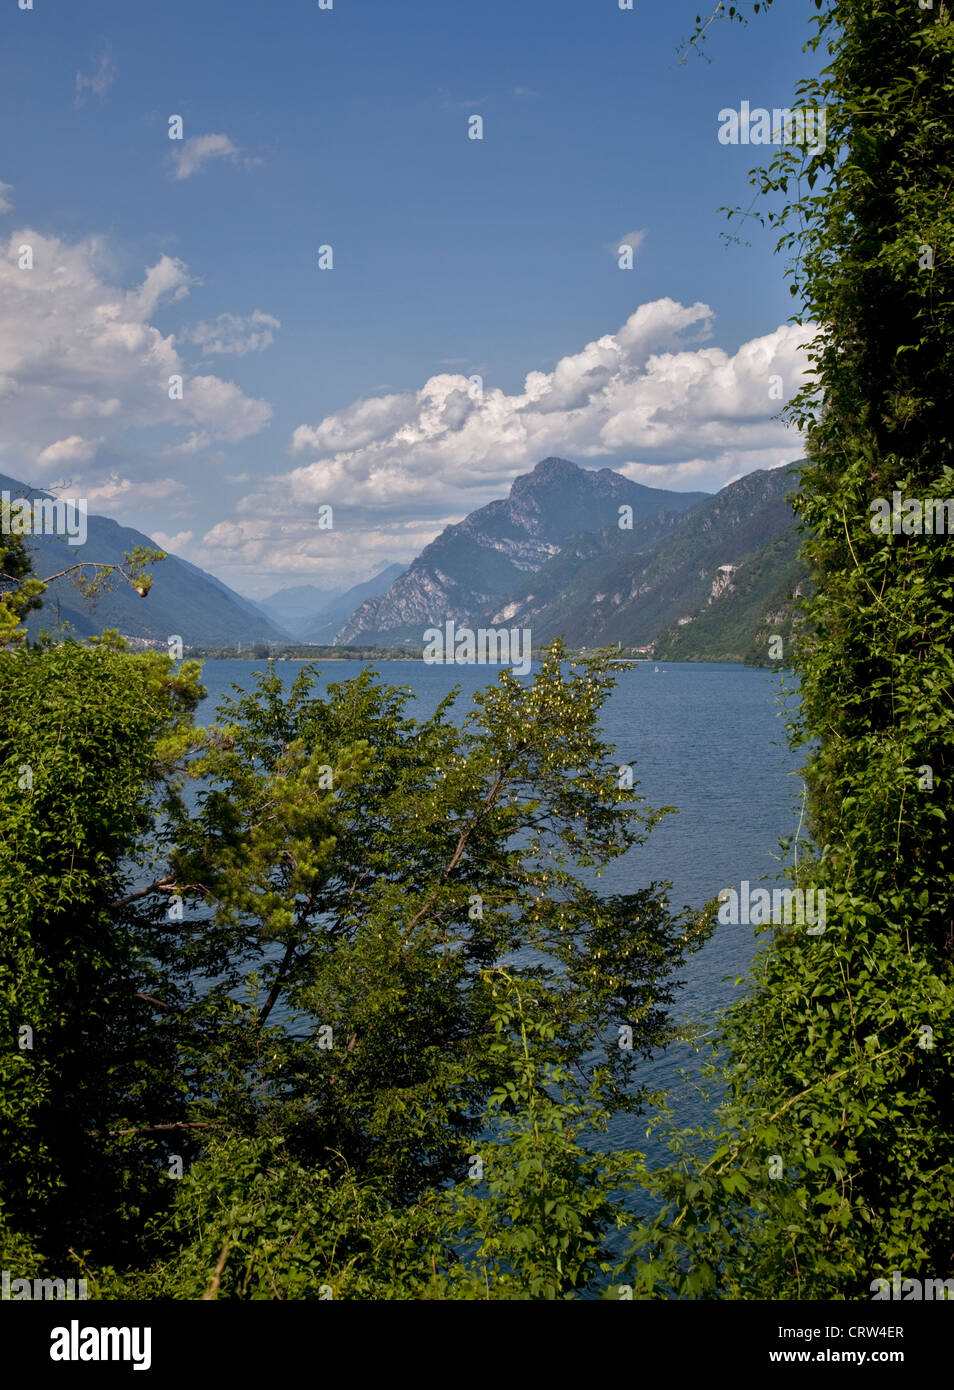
372	658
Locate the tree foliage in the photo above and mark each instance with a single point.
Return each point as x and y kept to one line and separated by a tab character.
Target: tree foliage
833	1163
352	875
270	968
87	735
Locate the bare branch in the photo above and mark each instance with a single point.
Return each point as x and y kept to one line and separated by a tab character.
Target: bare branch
162	885
217	1276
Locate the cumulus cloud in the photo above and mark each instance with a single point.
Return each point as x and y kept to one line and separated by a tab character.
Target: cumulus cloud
74	348
5	203
115	493
197	441
88	407
274	550
231	333
647	393
696	474
199	150
172	544
359	424
101	78
222	406
652	399
76	449
168	276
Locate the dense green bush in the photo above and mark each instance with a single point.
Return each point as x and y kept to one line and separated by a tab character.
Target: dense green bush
834	1163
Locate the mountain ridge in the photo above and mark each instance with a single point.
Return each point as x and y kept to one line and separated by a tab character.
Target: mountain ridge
631	593
484	556
184	600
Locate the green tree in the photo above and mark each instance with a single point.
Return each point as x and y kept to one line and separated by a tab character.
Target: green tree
21	591
355	873
536	1223
832	1165
531	1221
267	952
88	734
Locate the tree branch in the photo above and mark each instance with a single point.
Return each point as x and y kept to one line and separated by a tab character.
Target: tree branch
465	835
162	885
213	1288
276	988
157	1129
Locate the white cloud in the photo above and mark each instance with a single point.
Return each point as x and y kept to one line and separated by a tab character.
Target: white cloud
5	203
101	78
167	276
76	449
195	152
172	544
225	409
88	407
231	333
356	425
694	475
75	348
114	493
649	399
646	390
241	546
197	441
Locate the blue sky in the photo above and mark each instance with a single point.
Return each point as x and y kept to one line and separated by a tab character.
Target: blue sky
453	258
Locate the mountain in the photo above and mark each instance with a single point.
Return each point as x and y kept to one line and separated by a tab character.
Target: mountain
760	602
482	559
696	578
295	608
249	605
718	564
183	601
326	623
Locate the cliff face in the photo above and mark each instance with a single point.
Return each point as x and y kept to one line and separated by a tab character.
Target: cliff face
634	586
760	603
481	560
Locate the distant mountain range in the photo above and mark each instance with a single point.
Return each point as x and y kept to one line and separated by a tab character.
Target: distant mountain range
483	559
293	609
687	575
312	615
694	577
184	600
326	623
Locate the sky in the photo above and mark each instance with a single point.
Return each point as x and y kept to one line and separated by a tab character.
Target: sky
474	317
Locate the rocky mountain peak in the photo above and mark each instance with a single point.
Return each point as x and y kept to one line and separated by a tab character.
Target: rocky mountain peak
482	558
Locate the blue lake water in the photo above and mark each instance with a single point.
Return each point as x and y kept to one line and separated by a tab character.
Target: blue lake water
706	738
